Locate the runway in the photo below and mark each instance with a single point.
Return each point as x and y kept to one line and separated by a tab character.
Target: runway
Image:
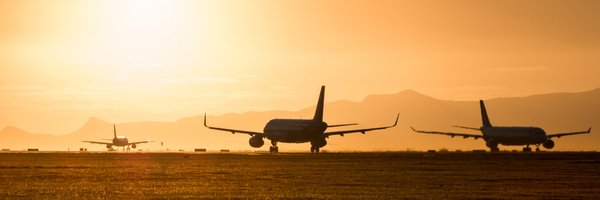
541	175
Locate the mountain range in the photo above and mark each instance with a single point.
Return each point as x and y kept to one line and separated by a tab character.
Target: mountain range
556	112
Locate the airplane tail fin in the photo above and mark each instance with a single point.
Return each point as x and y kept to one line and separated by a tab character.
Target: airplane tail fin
484	115
319	111
115	130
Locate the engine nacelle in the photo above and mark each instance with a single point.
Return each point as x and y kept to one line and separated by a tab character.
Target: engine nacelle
548	144
319	143
491	144
256	142
133	146
108	146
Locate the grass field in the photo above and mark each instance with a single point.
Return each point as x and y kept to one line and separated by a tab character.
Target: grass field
300	176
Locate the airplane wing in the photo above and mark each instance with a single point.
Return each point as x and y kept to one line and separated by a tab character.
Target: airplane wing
363	131
140	142
558	135
464	135
94	142
233	131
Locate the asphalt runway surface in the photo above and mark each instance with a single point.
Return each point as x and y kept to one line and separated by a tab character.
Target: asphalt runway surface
538	175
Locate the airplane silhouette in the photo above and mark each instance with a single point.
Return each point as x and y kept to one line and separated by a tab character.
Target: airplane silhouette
119	141
298	130
517	136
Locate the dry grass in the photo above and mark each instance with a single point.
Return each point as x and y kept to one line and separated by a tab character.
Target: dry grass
299	176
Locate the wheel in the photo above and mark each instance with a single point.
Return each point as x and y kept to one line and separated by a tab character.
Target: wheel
537	149
274	149
526	149
314	149
495	149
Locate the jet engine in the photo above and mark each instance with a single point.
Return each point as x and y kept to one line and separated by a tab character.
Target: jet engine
319	143
108	146
548	144
133	146
256	141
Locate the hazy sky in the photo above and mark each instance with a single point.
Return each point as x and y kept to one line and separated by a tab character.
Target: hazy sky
64	61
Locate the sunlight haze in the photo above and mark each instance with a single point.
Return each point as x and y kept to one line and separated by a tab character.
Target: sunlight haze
62	62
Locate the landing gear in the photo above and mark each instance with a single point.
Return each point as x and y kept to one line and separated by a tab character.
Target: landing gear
274	148
493	145
128	149
537	148
317	144
527	149
314	149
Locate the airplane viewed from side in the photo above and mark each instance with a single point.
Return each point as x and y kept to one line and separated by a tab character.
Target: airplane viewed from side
119	141
516	136
298	130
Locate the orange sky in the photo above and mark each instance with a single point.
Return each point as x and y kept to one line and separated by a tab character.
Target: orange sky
64	61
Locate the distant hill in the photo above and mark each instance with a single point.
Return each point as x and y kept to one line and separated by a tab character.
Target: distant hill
557	112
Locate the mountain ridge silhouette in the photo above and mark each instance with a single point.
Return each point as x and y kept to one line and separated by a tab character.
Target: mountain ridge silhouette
555	112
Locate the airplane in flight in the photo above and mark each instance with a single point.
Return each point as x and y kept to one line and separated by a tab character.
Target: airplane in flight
119	141
515	136
298	130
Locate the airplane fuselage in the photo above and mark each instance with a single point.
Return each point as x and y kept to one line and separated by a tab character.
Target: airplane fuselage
294	130
120	141
514	135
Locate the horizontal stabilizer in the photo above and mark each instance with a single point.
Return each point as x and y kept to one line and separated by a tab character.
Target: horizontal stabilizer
470	128
339	125
363	131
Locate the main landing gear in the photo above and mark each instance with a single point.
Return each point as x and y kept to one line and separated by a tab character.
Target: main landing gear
274	148
315	145
314	149
527	149
493	145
